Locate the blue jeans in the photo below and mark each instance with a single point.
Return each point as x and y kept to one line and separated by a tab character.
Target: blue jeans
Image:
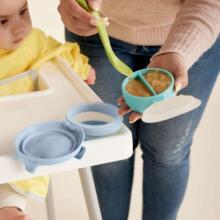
165	145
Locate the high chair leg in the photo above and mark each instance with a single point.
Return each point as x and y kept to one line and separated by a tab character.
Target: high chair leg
90	195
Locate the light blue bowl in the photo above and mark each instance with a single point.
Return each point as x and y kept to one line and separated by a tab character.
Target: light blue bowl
140	103
96	128
49	143
54	142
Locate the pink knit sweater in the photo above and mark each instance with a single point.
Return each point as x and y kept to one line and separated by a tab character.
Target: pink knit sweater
187	27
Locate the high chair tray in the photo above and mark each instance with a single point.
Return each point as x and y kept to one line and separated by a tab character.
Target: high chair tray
60	89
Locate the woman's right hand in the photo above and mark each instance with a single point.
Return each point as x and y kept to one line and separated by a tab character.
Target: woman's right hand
78	20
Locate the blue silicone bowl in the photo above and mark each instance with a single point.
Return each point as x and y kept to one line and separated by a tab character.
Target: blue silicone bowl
140	103
49	143
54	142
94	127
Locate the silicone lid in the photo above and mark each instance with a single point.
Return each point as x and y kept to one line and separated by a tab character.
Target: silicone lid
96	119
49	143
170	108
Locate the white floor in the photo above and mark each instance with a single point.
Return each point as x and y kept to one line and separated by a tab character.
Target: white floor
202	198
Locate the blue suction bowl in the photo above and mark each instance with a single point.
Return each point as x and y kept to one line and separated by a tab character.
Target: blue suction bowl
49	143
57	141
94	126
139	104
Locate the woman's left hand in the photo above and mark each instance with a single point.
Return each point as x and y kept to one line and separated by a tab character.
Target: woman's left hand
172	62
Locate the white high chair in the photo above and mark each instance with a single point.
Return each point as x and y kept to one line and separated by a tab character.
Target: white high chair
60	89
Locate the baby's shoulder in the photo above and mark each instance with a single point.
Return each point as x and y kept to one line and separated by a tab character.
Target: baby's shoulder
36	32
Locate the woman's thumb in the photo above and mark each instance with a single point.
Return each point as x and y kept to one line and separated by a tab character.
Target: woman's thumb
95	5
177	87
180	83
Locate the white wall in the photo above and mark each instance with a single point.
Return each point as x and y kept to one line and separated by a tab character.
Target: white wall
45	16
202	199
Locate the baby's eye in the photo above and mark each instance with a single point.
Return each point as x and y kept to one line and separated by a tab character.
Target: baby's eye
23	11
4	21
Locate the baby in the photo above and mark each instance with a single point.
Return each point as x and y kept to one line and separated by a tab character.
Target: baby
22	48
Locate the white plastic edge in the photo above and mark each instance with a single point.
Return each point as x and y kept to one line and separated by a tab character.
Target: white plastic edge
170	108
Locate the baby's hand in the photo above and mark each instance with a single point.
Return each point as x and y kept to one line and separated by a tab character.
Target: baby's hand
12	213
91	77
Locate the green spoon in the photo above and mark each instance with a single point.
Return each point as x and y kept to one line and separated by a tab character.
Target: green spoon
115	61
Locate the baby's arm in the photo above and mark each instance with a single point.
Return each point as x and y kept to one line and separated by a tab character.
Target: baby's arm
9	197
79	62
12	204
47	48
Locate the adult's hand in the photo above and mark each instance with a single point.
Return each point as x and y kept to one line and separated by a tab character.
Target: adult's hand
12	213
172	62
78	20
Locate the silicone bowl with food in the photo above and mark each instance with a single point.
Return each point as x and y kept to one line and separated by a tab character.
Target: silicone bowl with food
147	86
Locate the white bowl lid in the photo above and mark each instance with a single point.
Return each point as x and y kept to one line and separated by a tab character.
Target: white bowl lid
170	108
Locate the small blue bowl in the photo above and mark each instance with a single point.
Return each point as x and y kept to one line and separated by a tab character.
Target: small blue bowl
49	143
54	142
140	103
96	128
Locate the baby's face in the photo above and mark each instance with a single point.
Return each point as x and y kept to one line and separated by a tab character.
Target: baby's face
15	23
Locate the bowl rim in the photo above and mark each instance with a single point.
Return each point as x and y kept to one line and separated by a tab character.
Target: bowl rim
146	71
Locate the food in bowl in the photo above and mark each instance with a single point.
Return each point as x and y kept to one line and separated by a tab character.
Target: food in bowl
158	81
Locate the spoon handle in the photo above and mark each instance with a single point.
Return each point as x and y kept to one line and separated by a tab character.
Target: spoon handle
84	5
114	60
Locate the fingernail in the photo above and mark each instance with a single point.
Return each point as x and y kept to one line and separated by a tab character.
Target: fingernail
105	20
93	21
95	5
178	88
106	24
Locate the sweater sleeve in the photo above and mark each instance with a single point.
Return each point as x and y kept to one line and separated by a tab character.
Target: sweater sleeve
9	197
194	31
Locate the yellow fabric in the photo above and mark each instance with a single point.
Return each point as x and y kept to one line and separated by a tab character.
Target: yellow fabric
37	186
19	86
36	49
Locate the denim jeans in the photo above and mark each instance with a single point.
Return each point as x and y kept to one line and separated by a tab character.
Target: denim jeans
165	145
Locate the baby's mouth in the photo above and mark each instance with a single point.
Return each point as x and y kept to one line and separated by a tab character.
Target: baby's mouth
18	40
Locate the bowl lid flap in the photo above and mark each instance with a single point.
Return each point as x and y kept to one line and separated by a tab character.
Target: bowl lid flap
170	108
